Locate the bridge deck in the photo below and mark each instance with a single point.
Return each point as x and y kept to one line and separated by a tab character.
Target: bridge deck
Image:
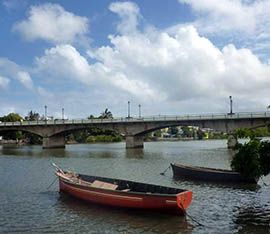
159	118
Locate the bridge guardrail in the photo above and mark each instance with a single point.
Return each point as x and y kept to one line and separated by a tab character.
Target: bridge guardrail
157	118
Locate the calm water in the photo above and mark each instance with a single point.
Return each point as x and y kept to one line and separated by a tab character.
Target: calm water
28	206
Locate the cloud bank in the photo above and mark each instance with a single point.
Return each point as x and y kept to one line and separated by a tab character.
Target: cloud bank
173	70
51	22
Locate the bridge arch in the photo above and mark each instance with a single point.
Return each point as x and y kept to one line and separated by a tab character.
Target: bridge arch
20	130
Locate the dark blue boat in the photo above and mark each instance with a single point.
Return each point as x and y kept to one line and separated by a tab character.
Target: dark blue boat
210	174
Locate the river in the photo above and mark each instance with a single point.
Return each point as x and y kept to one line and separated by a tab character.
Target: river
29	206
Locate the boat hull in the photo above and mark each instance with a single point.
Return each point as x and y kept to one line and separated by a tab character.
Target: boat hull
208	174
167	203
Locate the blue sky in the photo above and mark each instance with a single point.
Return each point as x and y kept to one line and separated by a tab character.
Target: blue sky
172	57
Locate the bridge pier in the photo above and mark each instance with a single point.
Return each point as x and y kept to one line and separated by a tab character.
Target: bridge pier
57	141
134	142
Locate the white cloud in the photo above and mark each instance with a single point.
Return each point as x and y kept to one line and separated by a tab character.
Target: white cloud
230	15
129	14
64	61
12	70
167	71
51	22
4	82
25	79
173	67
224	15
243	22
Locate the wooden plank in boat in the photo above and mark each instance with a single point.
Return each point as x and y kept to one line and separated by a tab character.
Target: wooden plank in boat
104	185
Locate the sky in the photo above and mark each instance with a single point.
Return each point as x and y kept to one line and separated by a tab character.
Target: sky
172	57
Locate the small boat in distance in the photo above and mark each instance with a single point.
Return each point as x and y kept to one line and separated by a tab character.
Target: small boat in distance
209	174
124	193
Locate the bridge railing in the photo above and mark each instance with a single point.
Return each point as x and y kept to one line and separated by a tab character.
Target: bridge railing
158	118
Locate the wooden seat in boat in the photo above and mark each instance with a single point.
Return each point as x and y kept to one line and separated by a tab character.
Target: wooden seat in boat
104	185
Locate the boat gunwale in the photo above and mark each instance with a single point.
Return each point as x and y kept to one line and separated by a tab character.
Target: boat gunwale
87	187
205	169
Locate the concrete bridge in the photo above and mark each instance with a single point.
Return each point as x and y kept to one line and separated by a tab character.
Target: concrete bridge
53	132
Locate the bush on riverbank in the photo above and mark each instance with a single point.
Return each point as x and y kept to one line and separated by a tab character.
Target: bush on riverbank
252	158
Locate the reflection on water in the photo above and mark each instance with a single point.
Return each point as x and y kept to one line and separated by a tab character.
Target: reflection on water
27	206
125	220
135	153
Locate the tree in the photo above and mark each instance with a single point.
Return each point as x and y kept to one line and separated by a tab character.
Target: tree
252	158
200	134
173	130
106	114
187	132
91	117
11	117
247	160
243	133
157	133
32	116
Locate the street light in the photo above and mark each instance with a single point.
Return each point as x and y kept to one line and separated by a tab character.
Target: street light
231	103
45	112
128	109
63	115
139	110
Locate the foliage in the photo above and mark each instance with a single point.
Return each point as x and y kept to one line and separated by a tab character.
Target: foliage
200	134
243	132
32	116
173	130
32	139
264	152
157	133
106	114
252	133
11	117
14	135
94	134
252	159
187	132
217	135
91	117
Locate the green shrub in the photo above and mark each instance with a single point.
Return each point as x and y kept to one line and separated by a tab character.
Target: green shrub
264	152
252	159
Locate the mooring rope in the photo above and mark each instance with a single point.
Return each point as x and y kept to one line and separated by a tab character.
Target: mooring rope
163	173
52	183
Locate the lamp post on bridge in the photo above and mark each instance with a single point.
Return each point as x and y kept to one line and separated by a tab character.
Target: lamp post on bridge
231	105
139	110
128	109
63	113
45	113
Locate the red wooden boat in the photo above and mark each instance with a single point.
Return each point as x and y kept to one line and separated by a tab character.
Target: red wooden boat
124	193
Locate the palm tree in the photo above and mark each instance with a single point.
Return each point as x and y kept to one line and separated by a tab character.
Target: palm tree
106	114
